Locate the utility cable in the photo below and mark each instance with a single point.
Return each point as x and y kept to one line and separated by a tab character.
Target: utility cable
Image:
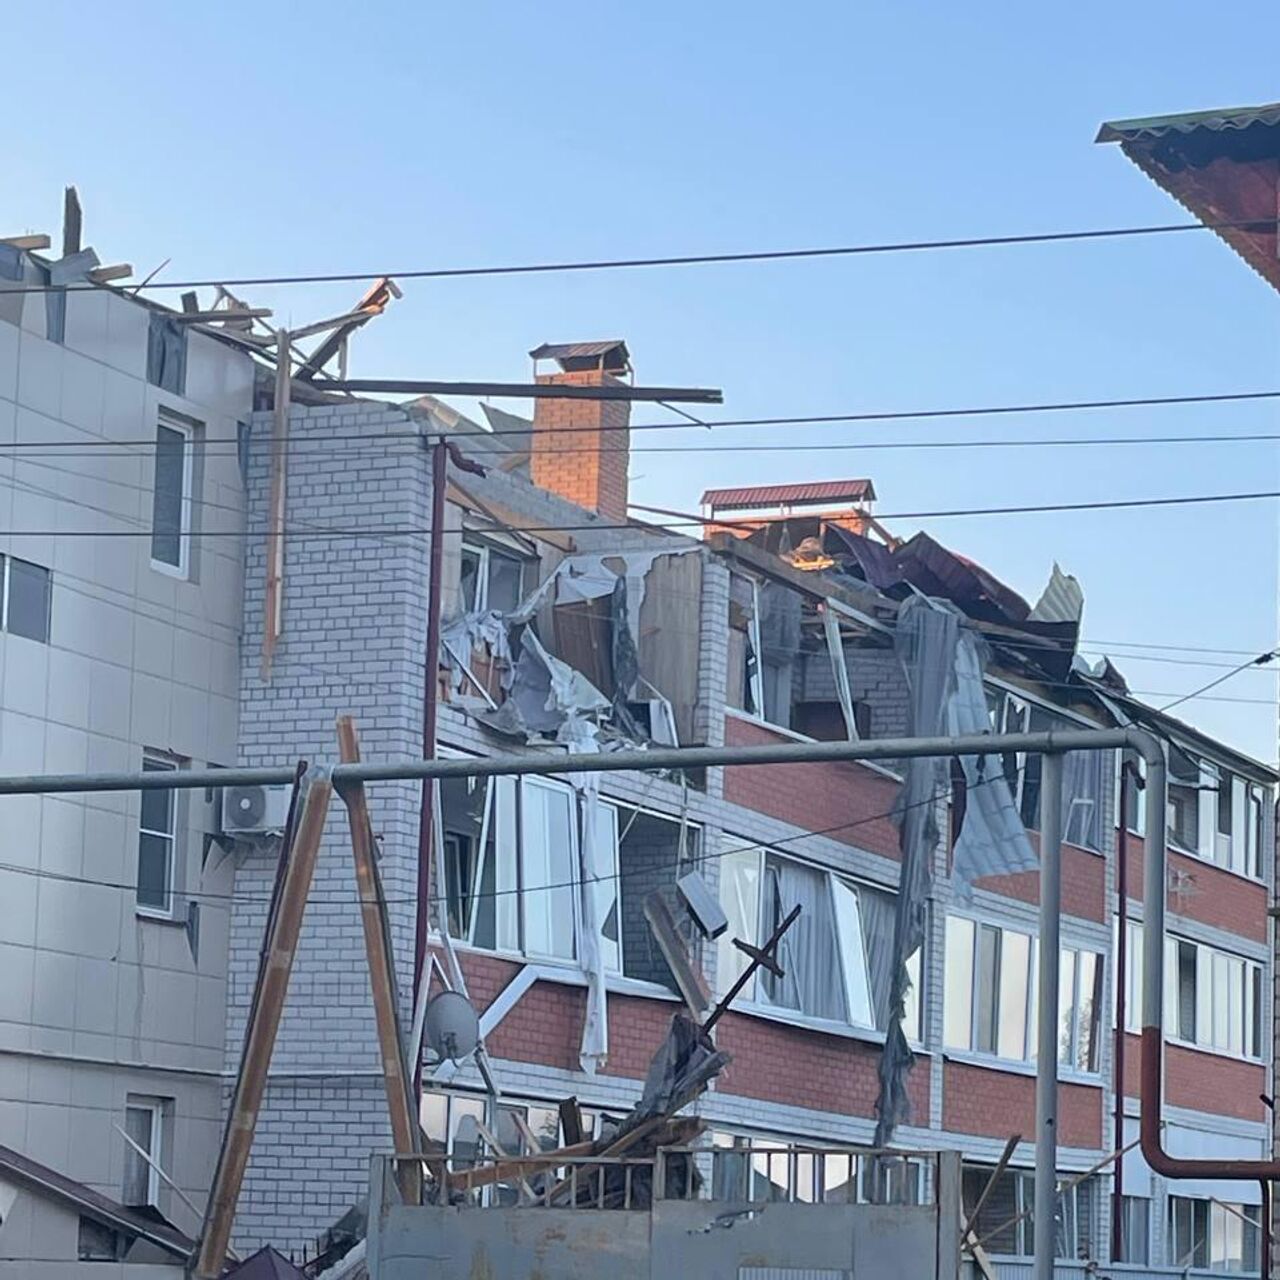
468	441
576	883
684	260
672	526
1261	660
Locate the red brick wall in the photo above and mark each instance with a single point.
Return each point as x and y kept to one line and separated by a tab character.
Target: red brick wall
545	1025
805	1068
1212	896
589	466
813	796
1083	882
1201	1081
995	1103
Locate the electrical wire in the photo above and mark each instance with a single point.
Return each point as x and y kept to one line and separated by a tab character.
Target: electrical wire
684	522
577	882
1261	660
473	440
684	260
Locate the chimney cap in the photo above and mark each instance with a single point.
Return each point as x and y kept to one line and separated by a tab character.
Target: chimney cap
612	355
789	495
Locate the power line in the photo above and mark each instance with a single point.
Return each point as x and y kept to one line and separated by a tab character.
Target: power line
1261	660
891	415
685	260
684	522
575	883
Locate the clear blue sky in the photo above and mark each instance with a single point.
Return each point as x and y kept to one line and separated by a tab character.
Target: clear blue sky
263	139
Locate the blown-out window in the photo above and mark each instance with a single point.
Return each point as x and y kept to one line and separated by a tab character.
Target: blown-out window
837	956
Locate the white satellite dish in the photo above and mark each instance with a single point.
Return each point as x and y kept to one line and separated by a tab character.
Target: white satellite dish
452	1025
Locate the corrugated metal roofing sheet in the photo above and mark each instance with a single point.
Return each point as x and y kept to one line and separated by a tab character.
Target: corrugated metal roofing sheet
789	495
1188	122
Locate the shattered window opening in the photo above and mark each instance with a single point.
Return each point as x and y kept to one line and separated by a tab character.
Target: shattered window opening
1083	780
837	957
515	879
489	578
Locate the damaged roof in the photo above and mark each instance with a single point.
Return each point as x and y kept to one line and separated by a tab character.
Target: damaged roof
789	495
93	1204
1221	166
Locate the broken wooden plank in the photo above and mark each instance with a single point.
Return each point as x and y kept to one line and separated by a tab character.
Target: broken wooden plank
471	1179
522	390
29	244
662	924
221	313
104	275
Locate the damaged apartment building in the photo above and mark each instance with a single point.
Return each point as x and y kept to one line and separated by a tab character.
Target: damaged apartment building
778	615
132	930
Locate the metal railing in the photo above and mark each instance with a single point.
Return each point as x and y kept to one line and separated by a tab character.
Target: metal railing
749	1173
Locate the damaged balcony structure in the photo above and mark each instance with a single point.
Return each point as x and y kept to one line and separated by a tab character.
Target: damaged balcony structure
566	624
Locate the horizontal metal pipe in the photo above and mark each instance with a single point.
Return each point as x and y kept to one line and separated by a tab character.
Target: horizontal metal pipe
1051	742
521	390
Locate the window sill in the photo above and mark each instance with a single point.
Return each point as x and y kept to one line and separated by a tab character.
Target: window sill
790	1018
1217	866
157	916
181	573
1016	1066
1211	1052
750	718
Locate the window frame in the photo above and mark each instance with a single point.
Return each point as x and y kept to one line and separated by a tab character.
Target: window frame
750	997
1206	1016
1127	1237
187	430
993	992
511	844
154	761
154	1108
484	551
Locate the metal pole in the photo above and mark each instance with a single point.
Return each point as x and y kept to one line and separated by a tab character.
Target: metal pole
1120	978
430	683
1046	1201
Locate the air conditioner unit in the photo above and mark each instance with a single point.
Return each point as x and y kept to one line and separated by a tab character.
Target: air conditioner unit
254	810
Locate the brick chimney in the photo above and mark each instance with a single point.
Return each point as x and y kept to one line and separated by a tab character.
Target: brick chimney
581	448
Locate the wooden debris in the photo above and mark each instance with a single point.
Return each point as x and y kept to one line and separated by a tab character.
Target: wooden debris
662	923
29	244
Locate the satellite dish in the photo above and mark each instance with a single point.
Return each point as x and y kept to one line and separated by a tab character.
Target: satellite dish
452	1026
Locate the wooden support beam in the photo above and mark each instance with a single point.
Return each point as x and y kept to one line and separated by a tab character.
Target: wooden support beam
284	928
520	390
30	244
72	222
273	622
223	313
758	957
104	275
382	976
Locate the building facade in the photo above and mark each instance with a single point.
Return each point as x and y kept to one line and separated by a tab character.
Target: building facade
122	500
726	639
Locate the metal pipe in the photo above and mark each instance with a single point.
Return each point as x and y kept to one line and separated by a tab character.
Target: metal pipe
543	762
1264	1230
430	711
1152	1078
1046	1198
1120	977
